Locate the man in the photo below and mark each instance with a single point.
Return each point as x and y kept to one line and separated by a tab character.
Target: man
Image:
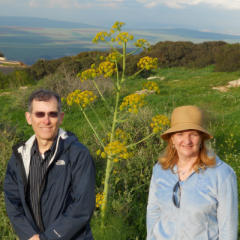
50	179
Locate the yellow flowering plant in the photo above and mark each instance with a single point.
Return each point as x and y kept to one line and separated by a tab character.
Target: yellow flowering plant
117	146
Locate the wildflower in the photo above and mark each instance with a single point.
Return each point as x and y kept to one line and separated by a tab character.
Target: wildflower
151	86
90	73
99	199
159	122
103	155
142	43
133	102
106	68
82	98
116	27
113	56
117	150
98	152
147	63
123	37
119	135
101	36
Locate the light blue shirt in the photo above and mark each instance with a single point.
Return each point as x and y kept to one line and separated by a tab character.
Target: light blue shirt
208	205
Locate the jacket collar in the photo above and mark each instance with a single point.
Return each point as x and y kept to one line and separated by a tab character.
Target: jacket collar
25	150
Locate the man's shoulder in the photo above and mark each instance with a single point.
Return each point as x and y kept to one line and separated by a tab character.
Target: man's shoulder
72	144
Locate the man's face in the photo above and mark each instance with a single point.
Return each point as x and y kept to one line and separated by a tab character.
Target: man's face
45	119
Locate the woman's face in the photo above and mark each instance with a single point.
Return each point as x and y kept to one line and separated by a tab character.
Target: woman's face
187	143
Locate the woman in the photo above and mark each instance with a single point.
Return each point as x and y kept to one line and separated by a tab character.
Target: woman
192	196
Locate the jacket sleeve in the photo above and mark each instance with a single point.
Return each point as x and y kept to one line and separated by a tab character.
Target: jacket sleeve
78	213
14	207
153	209
227	212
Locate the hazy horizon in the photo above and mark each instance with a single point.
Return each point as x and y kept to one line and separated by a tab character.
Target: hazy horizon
220	16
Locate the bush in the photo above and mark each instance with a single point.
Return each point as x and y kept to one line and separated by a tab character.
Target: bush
228	58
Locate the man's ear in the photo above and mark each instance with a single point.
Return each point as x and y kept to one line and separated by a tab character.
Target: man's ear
28	118
61	117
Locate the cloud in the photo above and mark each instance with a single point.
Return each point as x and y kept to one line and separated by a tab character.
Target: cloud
82	4
226	4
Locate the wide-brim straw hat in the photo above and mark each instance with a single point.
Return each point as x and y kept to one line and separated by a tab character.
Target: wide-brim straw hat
186	118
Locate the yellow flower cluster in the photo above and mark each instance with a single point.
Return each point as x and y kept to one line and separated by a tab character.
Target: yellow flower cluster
117	150
82	98
159	122
107	68
142	43
133	102
117	26
99	199
147	63
90	73
119	135
113	56
101	36
122	37
151	86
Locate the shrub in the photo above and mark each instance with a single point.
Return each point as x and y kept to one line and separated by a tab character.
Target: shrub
228	58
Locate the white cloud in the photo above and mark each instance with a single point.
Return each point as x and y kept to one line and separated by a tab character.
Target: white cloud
83	4
226	4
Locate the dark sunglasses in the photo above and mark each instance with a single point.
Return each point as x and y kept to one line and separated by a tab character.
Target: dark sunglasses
176	197
42	114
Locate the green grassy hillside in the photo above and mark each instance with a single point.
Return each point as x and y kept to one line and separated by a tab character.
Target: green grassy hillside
129	190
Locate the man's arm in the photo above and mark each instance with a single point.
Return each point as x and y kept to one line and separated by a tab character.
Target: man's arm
13	203
78	213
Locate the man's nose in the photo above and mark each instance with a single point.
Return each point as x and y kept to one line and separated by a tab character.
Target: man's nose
46	119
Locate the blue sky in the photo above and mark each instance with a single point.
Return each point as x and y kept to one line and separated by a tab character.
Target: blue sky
208	15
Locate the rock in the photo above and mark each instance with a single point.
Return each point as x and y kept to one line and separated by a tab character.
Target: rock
221	88
234	83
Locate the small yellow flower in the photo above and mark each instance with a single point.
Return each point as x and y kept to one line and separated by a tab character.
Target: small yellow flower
88	74
123	37
98	152
142	43
106	68
151	86
147	63
99	199
82	98
133	102
116	27
159	122
101	36
103	155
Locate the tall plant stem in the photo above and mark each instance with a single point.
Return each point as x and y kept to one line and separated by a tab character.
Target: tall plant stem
109	160
101	95
142	140
91	126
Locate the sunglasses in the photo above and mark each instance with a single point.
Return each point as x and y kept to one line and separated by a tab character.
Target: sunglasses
42	114
176	194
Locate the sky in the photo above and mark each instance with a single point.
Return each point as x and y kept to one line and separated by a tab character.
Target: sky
222	16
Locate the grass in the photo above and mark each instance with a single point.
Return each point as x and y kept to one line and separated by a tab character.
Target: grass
126	217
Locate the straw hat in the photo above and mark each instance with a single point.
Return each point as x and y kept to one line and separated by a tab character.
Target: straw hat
186	118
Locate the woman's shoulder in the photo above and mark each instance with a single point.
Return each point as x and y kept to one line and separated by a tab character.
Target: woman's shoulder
222	169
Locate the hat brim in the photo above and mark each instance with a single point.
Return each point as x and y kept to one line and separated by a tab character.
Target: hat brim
183	127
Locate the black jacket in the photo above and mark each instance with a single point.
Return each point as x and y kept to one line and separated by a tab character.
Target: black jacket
68	199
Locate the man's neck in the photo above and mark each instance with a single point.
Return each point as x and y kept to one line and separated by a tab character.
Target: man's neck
44	145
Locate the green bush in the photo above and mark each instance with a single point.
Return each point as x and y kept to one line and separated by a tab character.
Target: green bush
228	58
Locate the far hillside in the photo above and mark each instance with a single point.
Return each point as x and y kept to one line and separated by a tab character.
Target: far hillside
29	39
225	57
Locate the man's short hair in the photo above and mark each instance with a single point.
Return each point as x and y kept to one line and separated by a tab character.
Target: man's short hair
43	95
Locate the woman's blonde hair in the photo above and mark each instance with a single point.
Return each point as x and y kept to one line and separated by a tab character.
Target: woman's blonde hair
170	156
